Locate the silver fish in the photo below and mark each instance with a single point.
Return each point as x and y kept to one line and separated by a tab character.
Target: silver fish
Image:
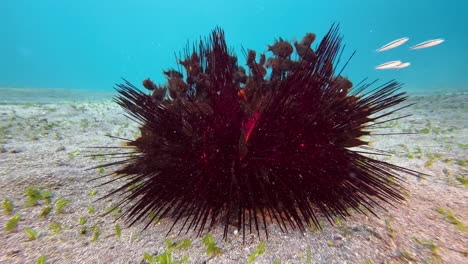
393	44
401	65
388	65
427	44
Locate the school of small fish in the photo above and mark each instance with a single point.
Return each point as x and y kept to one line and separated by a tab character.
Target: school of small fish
396	43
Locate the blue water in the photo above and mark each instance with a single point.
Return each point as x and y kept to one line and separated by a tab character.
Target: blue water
90	44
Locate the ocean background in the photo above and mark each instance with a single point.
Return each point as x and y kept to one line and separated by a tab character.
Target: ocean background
89	45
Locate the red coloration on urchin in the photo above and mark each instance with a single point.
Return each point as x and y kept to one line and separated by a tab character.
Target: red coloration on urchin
255	149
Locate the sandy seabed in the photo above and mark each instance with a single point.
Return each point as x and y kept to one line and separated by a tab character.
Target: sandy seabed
45	145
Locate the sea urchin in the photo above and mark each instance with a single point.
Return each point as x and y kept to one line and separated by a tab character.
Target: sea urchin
275	145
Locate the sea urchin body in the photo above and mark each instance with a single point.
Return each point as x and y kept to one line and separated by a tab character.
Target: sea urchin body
275	145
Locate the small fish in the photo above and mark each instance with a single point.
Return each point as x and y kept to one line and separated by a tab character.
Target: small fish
308	39
388	65
305	52
393	44
171	73
401	65
427	44
148	84
281	48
